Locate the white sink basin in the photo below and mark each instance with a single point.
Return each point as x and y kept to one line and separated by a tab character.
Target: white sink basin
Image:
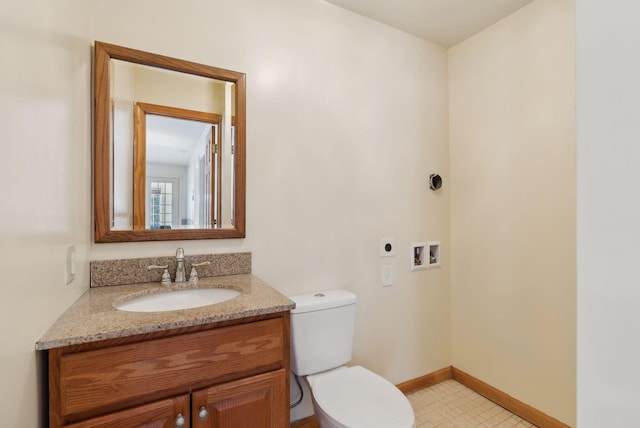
178	299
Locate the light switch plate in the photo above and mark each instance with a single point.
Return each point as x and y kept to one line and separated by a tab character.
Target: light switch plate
387	276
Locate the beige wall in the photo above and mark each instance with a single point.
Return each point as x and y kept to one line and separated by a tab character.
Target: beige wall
337	160
45	170
512	145
346	118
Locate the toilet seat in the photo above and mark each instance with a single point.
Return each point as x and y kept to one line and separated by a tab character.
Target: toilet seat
355	397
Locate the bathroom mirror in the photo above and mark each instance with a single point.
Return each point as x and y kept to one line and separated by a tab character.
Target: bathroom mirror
169	148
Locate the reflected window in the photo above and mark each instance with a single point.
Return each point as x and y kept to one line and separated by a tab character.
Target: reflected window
163	195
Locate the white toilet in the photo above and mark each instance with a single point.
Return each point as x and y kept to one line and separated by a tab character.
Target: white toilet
322	326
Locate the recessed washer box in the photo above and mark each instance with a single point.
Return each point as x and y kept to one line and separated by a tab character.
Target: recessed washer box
425	255
434	254
418	256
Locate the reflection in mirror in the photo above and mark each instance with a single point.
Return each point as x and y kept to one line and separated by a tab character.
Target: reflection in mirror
180	179
174	143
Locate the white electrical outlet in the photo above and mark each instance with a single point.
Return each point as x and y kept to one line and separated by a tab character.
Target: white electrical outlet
387	276
70	268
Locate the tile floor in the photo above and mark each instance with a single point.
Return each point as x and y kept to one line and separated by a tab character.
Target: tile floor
450	404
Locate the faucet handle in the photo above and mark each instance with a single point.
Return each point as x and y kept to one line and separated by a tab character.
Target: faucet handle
193	276
166	278
179	253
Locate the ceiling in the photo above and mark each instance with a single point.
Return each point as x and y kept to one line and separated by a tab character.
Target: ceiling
444	22
171	140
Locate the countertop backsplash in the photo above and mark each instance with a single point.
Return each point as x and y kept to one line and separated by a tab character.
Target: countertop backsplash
134	271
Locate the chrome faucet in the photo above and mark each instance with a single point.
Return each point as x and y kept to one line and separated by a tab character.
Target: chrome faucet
181	276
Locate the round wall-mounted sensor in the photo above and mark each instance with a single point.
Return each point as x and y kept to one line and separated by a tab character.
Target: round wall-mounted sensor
435	182
387	248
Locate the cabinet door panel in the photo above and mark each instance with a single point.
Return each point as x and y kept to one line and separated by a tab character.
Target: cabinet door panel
257	402
121	375
160	414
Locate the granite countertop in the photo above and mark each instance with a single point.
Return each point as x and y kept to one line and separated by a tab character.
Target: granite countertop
93	316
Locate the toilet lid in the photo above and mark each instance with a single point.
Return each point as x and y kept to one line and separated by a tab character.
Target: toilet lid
356	397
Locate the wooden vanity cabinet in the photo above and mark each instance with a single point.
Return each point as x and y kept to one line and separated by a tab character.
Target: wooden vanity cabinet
230	374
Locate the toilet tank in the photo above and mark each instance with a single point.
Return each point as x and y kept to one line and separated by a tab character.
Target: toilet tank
322	326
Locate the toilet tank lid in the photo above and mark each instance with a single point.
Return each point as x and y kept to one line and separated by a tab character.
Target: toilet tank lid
320	300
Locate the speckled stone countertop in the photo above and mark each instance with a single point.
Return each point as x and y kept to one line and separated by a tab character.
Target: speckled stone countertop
93	316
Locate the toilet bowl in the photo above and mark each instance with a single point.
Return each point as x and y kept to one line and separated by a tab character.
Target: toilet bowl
354	397
322	328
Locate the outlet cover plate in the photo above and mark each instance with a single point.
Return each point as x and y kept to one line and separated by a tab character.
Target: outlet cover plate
70	264
387	276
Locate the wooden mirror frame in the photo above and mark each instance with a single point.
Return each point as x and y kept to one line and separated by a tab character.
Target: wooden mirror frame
102	180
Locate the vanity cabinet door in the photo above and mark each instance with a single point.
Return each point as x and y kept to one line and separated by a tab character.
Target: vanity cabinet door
170	413
256	402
